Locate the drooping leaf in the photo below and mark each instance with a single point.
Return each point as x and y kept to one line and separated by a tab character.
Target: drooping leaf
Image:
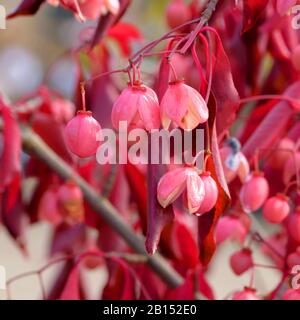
137	183
207	222
223	88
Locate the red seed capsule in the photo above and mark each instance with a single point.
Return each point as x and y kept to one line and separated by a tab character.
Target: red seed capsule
254	192
276	209
246	294
294	225
241	261
81	134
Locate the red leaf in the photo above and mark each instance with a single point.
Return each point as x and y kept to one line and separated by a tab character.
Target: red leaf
208	221
251	12
255	119
138	188
223	88
10	166
195	281
273	125
123	33
185	244
72	288
60	281
121	285
26	7
158	217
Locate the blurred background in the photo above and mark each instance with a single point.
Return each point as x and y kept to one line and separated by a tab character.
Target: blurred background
28	48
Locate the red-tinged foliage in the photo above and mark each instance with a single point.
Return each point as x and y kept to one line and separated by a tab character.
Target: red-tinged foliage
252	9
207	222
266	133
121	284
72	288
10	165
248	49
195	283
223	89
184	246
124	33
137	183
255	118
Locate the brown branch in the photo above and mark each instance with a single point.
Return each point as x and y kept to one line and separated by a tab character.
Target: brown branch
35	145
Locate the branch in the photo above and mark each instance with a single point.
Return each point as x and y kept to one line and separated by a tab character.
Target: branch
35	145
205	16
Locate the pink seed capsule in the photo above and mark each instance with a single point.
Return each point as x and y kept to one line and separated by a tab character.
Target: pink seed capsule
81	134
184	106
291	294
175	182
211	194
138	107
276	209
254	192
177	13
241	261
246	294
294	225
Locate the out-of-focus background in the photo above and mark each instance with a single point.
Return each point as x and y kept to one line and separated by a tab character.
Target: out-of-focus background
28	48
